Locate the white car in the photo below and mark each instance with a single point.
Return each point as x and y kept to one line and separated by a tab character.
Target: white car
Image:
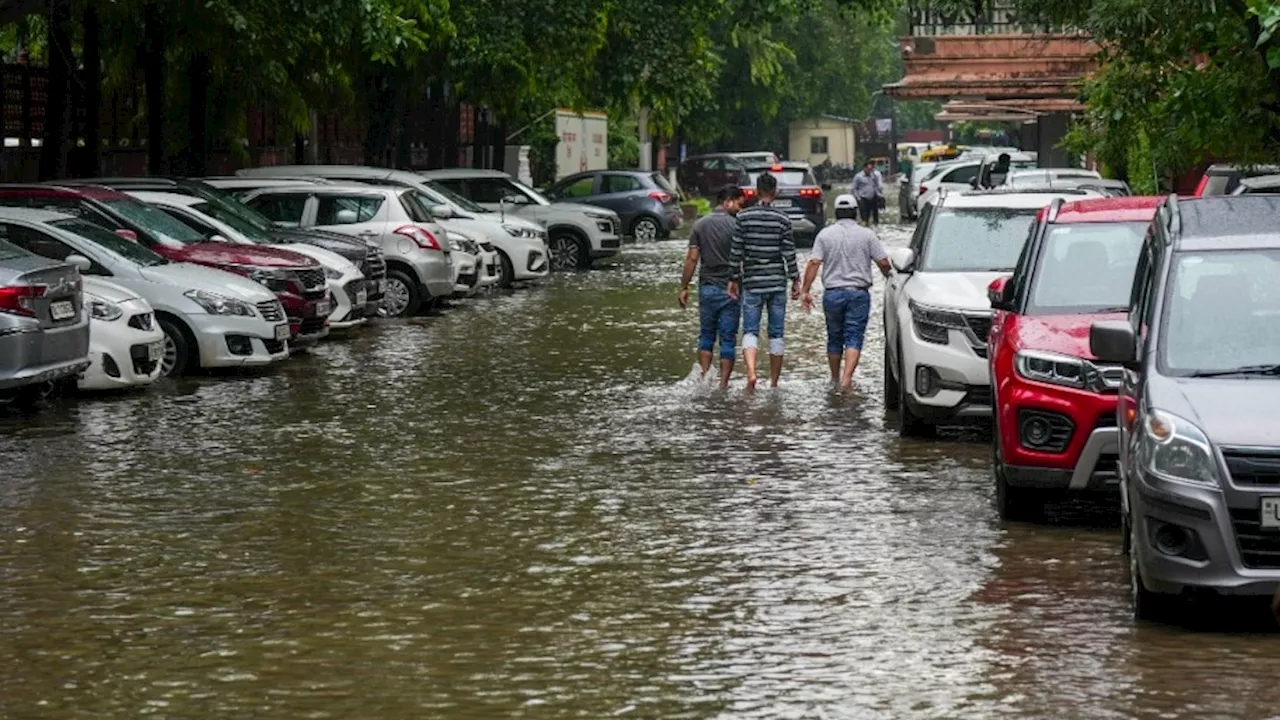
126	345
1066	178
961	175
345	281
209	317
466	264
936	310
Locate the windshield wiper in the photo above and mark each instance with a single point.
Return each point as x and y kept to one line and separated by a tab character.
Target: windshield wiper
1271	370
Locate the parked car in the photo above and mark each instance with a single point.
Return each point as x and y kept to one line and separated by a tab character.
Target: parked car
297	280
418	251
936	310
1107	186
1223	179
1019	179
126	345
1055	404
577	234
644	200
210	318
909	189
1199	451
704	175
799	195
1258	185
466	263
44	329
961	175
758	157
222	204
521	244
238	186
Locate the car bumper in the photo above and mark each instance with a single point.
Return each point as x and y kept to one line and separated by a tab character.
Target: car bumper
350	303
1094	469
216	334
466	279
960	387
488	270
604	246
435	272
120	356
1217	521
1088	460
528	259
30	355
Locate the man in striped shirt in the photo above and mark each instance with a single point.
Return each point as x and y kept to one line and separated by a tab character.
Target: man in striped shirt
763	258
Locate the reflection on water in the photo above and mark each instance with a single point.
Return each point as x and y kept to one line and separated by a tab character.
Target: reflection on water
522	508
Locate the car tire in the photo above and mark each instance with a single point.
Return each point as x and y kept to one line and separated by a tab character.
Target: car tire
1147	606
567	252
177	360
891	390
401	296
909	425
646	229
506	271
1015	504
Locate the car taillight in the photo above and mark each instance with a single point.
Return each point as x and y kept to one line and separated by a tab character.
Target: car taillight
811	192
660	196
924	190
749	192
421	237
21	299
1204	180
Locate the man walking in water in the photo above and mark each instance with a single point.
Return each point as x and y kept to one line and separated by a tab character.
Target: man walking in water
718	313
868	187
844	253
763	258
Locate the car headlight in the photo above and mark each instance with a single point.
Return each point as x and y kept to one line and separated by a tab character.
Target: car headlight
932	324
1051	368
216	304
100	309
273	280
521	231
332	274
1174	447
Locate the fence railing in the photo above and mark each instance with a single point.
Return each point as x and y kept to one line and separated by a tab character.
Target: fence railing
980	17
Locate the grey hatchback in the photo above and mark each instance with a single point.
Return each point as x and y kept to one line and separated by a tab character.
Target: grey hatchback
645	200
44	330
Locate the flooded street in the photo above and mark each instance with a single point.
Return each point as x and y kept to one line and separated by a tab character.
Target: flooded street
522	508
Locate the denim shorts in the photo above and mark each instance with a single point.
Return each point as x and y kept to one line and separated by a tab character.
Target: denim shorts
847	310
718	314
753	307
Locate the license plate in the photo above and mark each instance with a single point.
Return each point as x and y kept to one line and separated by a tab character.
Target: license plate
782	203
282	332
362	297
1270	513
62	309
322	307
155	351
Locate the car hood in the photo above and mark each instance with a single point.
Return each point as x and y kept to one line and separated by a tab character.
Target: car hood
348	247
198	277
580	208
1065	334
224	253
961	291
108	291
1227	409
326	258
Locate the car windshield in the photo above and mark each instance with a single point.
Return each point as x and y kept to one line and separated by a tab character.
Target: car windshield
1223	312
155	222
237	223
9	251
537	196
107	240
227	206
977	239
785	177
452	198
1087	268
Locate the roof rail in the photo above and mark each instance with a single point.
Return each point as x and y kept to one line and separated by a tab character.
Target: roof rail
1175	215
1054	208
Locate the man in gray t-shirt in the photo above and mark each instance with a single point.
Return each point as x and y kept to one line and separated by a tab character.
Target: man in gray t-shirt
718	313
844	253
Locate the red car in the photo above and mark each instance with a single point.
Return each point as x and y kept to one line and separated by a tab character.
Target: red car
1055	407
296	279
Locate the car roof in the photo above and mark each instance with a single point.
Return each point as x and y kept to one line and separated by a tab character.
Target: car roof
454	173
1226	221
169	198
32	215
350	171
1247	170
1261	181
1140	208
784	164
227	181
345	188
1013	200
95	192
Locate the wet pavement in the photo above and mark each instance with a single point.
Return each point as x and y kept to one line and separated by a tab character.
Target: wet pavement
522	507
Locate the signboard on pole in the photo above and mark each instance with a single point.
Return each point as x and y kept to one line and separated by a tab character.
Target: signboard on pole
584	142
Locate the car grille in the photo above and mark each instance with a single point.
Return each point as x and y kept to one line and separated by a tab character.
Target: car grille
352	289
142	321
271	311
311	326
374	266
274	347
311	279
140	355
1060	429
1252	468
980	325
1258	548
978	396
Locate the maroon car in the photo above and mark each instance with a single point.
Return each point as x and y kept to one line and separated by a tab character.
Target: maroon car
296	279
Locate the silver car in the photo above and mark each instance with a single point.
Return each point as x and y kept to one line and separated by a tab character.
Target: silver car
44	329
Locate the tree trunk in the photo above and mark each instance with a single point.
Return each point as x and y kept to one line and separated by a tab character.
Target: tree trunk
197	154
91	160
499	152
153	81
57	114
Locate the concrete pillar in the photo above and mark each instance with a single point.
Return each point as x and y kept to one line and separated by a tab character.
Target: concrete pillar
1052	129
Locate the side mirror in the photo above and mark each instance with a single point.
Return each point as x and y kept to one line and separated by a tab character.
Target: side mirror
974	183
998	293
218	238
901	259
515	199
82	263
129	235
1113	341
442	212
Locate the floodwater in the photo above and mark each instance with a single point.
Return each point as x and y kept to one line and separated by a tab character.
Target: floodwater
520	508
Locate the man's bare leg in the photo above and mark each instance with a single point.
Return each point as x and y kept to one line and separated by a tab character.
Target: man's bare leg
726	369
833	361
704	361
851	358
775	370
750	354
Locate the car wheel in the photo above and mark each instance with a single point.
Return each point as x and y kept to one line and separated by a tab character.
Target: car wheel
645	229
506	272
401	296
909	425
1147	606
177	350
566	252
1014	503
891	390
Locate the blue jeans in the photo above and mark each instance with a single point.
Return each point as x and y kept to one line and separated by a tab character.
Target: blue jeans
847	310
718	314
753	306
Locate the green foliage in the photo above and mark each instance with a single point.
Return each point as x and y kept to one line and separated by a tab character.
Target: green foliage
624	145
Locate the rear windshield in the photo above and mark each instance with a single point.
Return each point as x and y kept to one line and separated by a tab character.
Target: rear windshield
416	207
1087	268
154	221
661	181
108	240
1221	184
9	251
977	240
785	177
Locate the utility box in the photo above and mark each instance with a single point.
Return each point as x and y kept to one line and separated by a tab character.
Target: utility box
584	142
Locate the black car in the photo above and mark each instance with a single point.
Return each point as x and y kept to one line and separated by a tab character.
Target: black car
799	195
1199	431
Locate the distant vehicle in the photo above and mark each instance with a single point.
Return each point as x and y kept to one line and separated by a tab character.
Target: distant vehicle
1223	179
126	344
940	153
1199	451
760	157
936	310
909	188
44	329
989	176
1055	421
1108	187
1259	185
1049	177
959	176
799	195
210	318
704	175
644	200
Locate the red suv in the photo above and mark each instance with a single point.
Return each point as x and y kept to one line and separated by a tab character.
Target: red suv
296	279
1055	406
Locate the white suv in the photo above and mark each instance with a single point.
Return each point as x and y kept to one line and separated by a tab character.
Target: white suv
936	310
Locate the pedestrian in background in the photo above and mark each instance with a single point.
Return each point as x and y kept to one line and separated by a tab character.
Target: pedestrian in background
763	259
844	252
868	188
718	313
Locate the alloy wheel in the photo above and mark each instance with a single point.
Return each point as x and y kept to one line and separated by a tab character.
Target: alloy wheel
170	359
645	230
395	298
564	252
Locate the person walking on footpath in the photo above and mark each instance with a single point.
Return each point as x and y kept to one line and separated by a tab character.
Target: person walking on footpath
868	188
763	258
844	252
718	313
